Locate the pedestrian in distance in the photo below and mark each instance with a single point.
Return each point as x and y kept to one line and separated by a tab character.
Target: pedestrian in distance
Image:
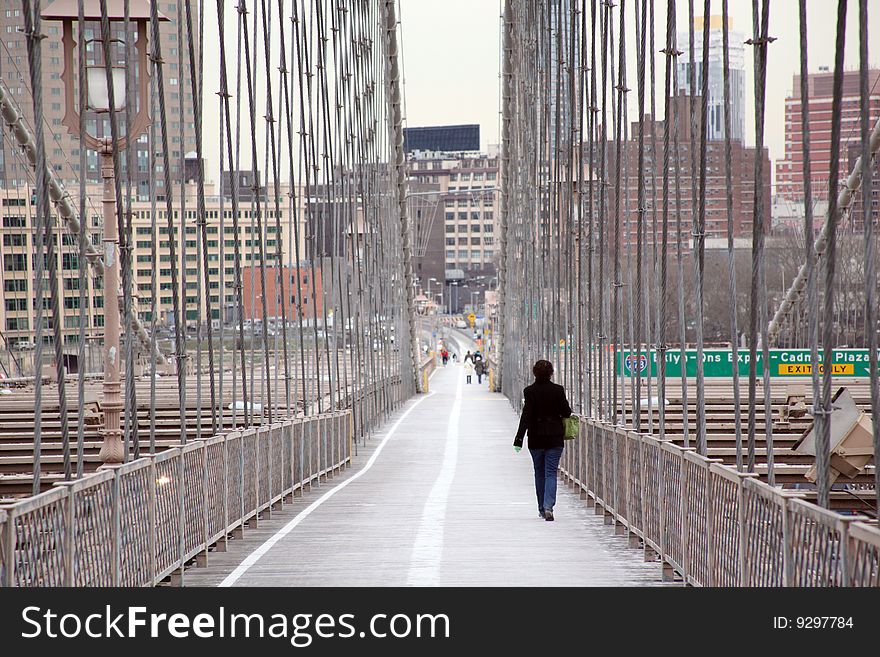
468	370
454	357
468	356
445	356
480	369
544	407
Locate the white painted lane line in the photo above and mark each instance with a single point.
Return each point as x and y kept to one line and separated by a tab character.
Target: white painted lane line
427	549
255	556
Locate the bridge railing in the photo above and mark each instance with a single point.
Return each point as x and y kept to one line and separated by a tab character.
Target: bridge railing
712	525
136	523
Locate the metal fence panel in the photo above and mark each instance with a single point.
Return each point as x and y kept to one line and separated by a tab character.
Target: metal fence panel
39	529
264	465
92	557
671	462
249	472
764	537
136	485
234	483
168	502
864	559
652	478
696	552
726	519
215	482
634	482
193	462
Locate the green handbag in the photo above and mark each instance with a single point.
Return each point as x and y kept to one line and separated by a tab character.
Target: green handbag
572	426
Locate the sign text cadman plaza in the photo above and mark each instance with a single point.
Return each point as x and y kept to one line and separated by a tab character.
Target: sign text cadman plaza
718	363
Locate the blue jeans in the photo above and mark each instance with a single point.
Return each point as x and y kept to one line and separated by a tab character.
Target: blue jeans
546	463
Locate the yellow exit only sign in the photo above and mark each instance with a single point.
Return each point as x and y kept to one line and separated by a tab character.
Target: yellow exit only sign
804	369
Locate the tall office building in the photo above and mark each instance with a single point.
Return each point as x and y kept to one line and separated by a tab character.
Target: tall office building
715	118
62	148
468	185
790	169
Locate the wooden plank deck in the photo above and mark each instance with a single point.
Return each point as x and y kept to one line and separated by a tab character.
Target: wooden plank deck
445	502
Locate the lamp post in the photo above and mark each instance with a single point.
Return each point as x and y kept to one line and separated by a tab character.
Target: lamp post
440	285
98	103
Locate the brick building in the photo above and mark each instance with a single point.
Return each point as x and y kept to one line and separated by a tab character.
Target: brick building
301	285
790	169
717	192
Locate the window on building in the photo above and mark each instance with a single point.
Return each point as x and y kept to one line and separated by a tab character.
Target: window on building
16	323
14	262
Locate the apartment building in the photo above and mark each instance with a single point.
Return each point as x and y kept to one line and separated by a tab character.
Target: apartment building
820	86
687	172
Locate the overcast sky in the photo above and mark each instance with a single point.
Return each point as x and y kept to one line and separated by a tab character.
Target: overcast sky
451	53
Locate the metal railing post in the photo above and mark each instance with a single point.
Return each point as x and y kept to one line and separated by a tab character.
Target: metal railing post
151	518
710	530
741	535
8	550
684	527
787	548
69	540
205	521
116	552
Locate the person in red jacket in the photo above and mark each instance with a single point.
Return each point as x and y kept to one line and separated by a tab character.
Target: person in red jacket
544	407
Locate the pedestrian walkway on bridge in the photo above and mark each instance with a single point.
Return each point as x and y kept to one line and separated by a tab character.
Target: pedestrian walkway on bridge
437	497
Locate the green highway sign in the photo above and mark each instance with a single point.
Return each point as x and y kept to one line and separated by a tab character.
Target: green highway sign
718	363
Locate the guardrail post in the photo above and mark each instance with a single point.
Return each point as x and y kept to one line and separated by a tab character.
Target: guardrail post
710	531
69	539
787	553
8	550
741	534
151	518
116	529
177	576
621	488
291	459
633	536
582	459
202	558
685	525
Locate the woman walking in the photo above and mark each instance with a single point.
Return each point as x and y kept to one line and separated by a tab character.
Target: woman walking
468	370
545	406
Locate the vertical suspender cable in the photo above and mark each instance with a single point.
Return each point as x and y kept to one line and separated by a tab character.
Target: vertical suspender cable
84	243
699	231
823	435
201	220
731	264
179	341
868	223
